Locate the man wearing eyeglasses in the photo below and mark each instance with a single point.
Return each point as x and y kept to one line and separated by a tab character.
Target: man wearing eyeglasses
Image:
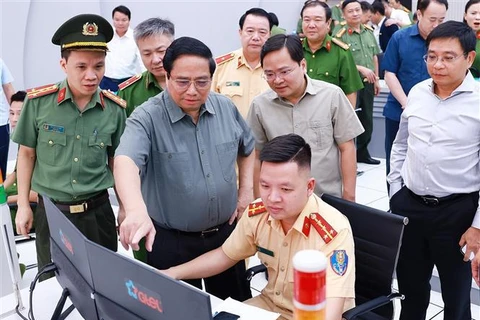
316	110
435	178
239	74
177	183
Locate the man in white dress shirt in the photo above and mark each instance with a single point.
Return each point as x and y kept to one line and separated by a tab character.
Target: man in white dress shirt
123	60
435	176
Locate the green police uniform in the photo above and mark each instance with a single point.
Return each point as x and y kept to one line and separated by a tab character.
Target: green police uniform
363	47
138	89
476	63
333	63
73	147
337	14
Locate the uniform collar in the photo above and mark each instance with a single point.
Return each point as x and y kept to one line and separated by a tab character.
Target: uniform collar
241	61
65	94
351	30
150	79
176	113
478	35
327	42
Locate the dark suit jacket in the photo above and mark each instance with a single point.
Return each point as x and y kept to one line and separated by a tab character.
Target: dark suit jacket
385	34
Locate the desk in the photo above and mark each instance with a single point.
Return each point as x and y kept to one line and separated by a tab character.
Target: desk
45	298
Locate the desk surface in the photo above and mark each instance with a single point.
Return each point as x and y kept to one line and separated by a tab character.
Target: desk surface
45	298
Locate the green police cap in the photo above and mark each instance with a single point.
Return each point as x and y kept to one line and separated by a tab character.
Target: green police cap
84	32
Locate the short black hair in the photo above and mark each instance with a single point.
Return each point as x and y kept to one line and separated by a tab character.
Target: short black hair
287	148
422	5
377	6
290	41
454	30
187	46
468	5
274	18
18	96
256	12
347	2
366	6
124	10
315	3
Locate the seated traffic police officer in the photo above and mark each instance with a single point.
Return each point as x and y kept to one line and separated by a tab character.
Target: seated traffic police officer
289	217
68	133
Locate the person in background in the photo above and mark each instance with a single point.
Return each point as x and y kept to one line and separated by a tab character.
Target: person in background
276	29
289	217
153	36
328	59
395	16
6	92
404	66
176	169
382	32
472	18
239	73
434	180
366	13
318	111
364	49
397	5
123	59
68	133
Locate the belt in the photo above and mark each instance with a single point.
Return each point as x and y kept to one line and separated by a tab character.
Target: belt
202	234
85	205
433	201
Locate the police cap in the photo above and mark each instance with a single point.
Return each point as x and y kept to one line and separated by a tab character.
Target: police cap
84	32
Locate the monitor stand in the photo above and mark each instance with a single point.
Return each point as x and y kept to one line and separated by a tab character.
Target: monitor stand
57	314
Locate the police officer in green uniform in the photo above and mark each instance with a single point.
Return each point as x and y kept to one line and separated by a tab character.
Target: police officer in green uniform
328	59
153	36
364	49
68	133
337	15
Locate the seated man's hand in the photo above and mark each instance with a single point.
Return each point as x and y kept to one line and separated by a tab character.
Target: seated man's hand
136	225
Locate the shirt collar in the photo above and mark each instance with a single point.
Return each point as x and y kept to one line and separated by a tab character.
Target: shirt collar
241	61
150	79
128	34
327	42
65	94
176	113
468	85
414	31
310	89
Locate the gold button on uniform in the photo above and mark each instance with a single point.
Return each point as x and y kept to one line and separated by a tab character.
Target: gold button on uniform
285	244
311	70
78	137
74	181
102	145
326	73
50	142
282	269
75	159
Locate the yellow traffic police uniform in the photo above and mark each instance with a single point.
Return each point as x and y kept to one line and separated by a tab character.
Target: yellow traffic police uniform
319	226
238	81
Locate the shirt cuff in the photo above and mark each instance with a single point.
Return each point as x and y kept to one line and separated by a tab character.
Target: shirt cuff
476	220
394	188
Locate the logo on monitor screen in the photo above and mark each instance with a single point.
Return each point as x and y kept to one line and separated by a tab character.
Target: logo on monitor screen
66	241
144	296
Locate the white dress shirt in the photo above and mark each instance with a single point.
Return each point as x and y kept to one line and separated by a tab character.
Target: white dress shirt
376	32
401	16
123	58
436	151
6	77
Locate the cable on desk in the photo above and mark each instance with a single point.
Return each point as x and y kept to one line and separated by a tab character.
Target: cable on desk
45	269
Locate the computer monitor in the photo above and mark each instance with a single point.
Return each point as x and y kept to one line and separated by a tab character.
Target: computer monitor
68	251
125	288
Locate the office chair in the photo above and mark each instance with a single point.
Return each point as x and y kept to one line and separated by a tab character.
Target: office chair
378	237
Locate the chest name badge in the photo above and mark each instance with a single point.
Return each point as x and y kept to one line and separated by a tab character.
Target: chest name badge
232	83
265	251
53	128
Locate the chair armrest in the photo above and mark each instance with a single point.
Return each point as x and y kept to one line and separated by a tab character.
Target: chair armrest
254	270
370	305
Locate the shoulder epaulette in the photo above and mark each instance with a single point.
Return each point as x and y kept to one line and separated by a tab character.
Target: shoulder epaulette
255	208
324	229
41	91
340	32
406	10
222	59
343	23
368	27
130	81
340	43
110	95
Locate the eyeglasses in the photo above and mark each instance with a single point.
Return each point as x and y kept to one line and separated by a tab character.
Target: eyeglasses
184	84
270	76
448	59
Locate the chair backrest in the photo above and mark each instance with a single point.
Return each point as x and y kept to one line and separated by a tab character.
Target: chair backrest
378	237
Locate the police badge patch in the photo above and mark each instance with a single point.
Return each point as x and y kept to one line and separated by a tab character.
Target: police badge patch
339	262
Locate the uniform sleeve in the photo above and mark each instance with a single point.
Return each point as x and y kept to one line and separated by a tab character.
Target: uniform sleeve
376	48
350	80
26	132
341	266
254	120
120	119
135	141
391	58
241	243
346	125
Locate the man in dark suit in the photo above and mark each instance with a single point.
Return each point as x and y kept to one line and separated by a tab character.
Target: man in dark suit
379	19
